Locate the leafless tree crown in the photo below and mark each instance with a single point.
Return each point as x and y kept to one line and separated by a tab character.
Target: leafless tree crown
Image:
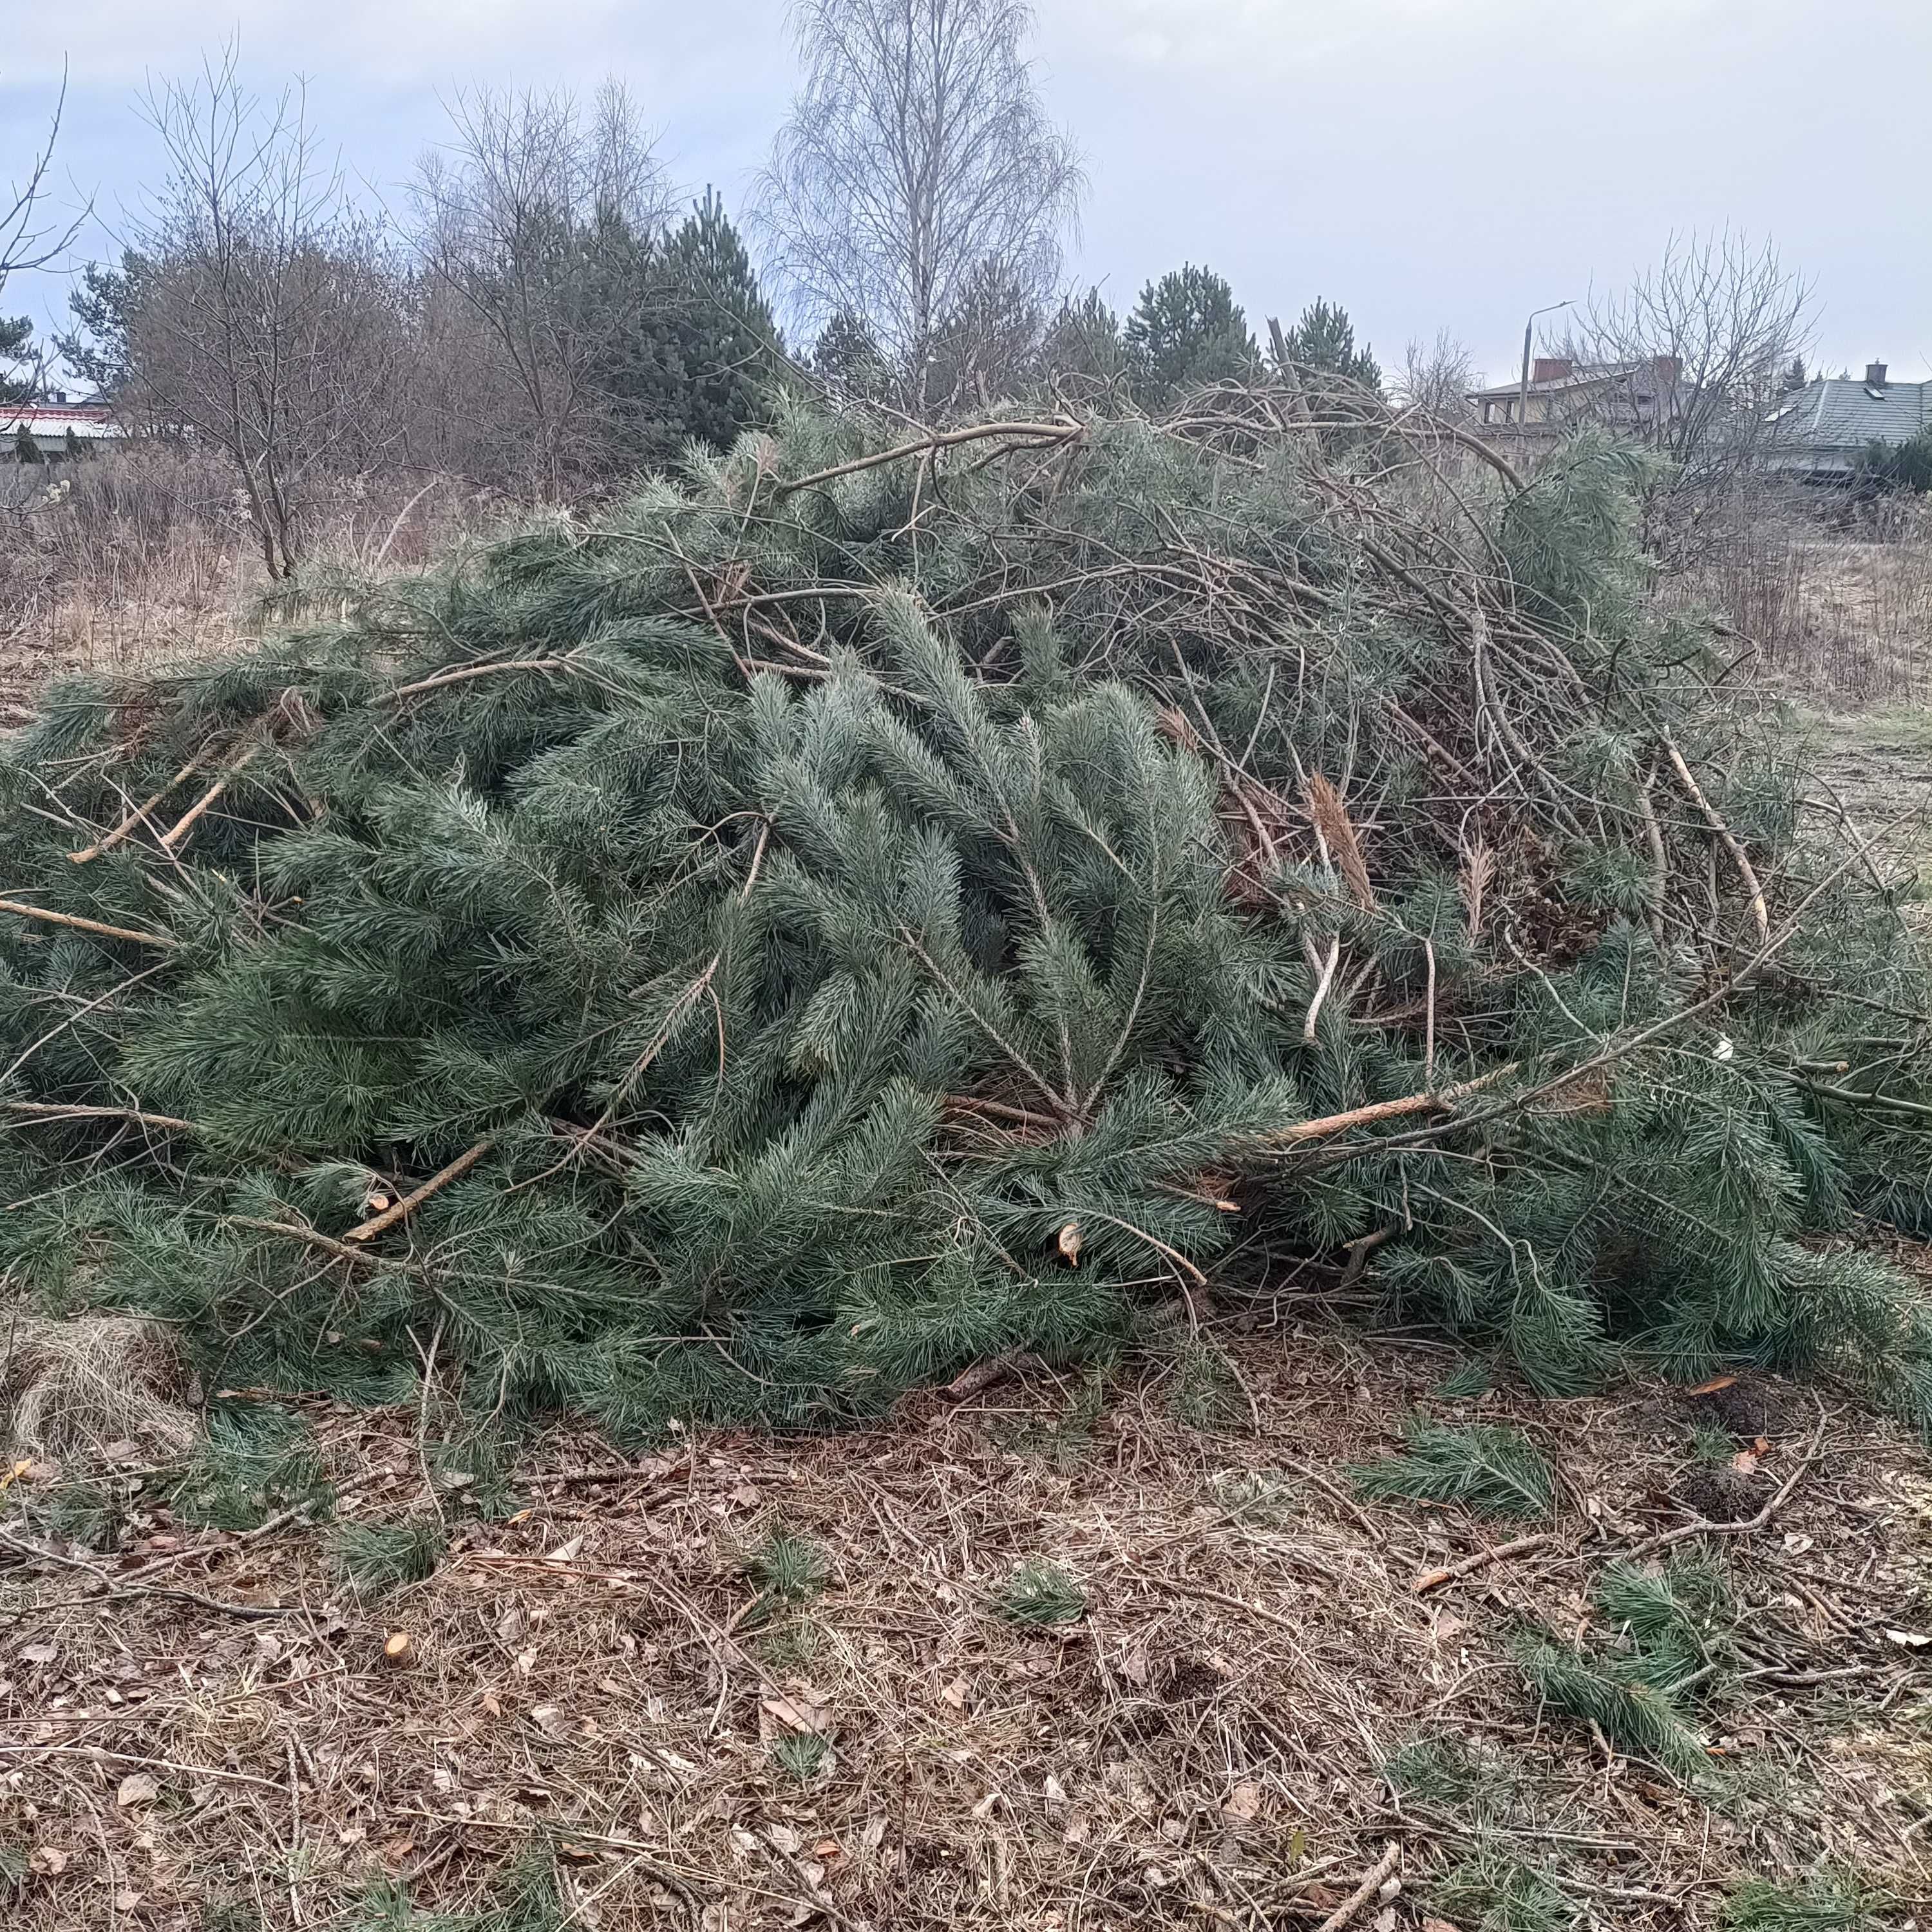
270	325
523	216
1717	322
917	167
29	237
1436	379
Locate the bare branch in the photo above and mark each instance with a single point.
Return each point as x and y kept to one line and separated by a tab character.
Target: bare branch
29	240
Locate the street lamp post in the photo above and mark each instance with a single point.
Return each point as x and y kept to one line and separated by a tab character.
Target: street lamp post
1522	393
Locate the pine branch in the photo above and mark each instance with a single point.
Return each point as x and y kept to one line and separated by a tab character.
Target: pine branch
165	940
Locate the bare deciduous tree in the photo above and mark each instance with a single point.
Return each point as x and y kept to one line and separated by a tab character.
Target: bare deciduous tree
1436	380
918	168
29	238
269	323
536	220
1715	327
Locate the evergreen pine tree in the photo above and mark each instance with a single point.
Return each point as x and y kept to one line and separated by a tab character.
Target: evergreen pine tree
100	348
1083	343
1187	329
17	381
700	365
1323	342
848	356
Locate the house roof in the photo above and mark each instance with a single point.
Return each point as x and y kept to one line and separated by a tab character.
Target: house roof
1830	413
56	419
1593	376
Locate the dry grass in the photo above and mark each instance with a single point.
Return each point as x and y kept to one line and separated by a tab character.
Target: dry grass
1842	618
1251	1703
78	1385
144	556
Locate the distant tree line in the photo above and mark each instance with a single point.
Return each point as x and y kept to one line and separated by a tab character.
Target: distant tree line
542	319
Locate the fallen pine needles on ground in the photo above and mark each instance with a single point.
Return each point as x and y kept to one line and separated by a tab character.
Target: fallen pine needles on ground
752	1682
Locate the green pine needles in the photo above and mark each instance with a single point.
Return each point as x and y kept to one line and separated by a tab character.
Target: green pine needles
256	1460
1674	1649
788	1568
1487	1466
839	915
1039	1593
1824	1902
372	1559
528	1900
1491	1892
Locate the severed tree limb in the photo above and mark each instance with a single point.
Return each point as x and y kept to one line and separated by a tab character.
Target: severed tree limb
166	940
108	841
1434	1579
1323	980
463	675
186	823
315	1239
1760	915
1029	432
49	1110
380	1223
1443	1101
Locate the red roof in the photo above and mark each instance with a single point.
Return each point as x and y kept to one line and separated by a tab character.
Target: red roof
57	418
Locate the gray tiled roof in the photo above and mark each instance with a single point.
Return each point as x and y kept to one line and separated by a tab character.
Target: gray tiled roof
1830	413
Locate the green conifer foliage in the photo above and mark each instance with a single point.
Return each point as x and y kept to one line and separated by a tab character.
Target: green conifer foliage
18	376
788	938
1322	343
698	363
1186	330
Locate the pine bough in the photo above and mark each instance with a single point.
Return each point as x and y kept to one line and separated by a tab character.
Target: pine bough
781	943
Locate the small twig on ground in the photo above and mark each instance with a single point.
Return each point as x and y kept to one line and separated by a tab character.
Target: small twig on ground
295	1835
100	1754
1434	1579
1364	1894
1762	1520
123	1591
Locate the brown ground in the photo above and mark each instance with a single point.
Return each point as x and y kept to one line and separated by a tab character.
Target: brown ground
1205	1747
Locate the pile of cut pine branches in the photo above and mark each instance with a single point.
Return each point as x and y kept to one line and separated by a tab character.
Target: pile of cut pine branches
863	906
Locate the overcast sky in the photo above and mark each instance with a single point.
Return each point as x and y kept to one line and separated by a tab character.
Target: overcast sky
1427	163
